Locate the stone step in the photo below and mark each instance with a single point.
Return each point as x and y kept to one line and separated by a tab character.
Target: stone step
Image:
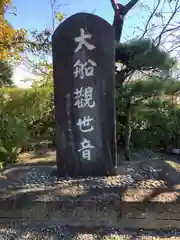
75	206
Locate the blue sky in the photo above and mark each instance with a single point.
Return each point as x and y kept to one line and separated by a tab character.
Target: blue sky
36	14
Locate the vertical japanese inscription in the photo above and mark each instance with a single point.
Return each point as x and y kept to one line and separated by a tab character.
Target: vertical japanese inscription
83	96
83	62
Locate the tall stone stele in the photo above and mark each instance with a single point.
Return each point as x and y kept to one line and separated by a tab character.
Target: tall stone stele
84	96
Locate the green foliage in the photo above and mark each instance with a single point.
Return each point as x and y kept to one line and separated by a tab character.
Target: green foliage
11	40
143	55
5	74
155	117
13	134
32	105
40	44
59	16
158	128
26	116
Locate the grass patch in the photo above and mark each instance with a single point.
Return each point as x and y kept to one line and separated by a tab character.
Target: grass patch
174	165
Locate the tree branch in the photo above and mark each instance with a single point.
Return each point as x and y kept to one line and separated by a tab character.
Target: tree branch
126	8
114	5
120	12
129	6
123	75
52	4
149	20
164	30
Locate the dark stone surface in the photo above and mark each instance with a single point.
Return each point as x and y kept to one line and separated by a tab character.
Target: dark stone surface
84	93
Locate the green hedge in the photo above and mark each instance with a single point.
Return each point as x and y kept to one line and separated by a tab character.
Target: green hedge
157	128
28	115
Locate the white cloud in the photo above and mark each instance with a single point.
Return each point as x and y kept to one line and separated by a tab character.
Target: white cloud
21	73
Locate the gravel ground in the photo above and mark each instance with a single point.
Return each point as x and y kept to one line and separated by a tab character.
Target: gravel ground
57	232
144	176
41	177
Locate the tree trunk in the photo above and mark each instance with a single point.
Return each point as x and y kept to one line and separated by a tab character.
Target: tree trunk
120	12
118	26
128	131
